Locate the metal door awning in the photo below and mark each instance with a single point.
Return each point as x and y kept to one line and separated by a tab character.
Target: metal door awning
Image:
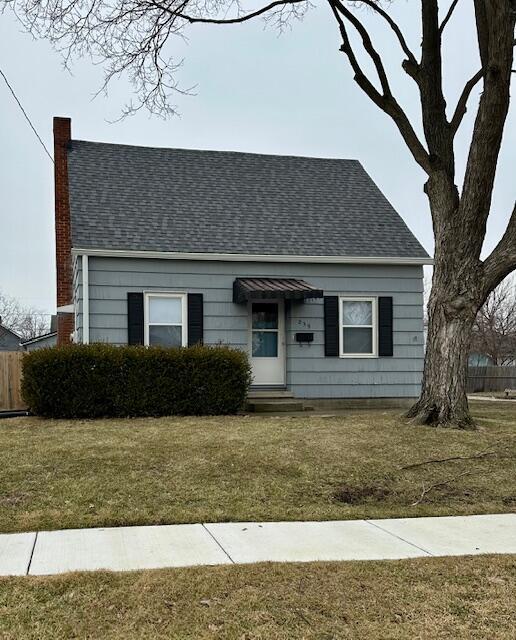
245	289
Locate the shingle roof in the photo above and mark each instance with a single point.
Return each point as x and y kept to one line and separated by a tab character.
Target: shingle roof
149	199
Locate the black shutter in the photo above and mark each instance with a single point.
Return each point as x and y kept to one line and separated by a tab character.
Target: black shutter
331	325
135	318
385	347
195	319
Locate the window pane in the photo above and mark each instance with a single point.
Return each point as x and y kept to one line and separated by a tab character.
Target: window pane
265	344
165	336
265	315
357	312
165	310
359	340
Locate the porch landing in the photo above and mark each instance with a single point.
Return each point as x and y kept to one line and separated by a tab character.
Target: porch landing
275	401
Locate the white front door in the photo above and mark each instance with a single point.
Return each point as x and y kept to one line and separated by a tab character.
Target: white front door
267	342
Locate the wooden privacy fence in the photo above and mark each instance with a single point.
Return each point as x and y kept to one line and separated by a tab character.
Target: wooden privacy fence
491	378
10	380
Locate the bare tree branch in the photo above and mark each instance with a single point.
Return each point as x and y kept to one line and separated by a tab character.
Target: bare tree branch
433	104
387	103
401	38
482	31
368	46
242	18
448	16
442	483
480	454
502	259
495	26
461	108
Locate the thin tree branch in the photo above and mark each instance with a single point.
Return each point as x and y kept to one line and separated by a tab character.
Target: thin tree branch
388	104
244	18
503	257
461	108
474	456
443	483
401	38
368	46
448	16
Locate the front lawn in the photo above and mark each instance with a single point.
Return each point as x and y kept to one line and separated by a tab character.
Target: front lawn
470	598
66	474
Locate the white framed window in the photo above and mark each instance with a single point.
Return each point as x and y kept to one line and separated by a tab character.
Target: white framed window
358	327
165	319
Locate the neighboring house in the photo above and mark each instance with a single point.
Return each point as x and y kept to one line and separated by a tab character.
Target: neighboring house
9	340
46	340
479	360
301	262
41	342
482	360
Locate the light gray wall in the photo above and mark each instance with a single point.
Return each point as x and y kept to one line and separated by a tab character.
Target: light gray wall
309	373
8	341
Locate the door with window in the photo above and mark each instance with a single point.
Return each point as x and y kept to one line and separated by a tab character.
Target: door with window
267	342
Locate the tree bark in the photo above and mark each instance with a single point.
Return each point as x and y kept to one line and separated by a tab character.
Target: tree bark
455	299
443	401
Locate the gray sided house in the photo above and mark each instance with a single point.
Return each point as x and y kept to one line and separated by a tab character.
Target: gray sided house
300	262
9	340
41	342
44	341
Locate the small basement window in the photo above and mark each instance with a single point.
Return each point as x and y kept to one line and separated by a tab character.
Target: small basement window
358	334
165	319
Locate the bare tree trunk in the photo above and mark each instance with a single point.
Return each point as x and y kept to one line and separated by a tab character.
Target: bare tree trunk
443	401
456	296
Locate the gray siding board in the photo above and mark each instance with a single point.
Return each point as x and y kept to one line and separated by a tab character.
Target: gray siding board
368	365
407	352
253	268
309	373
317	324
352	378
357	391
214	281
224	295
402	310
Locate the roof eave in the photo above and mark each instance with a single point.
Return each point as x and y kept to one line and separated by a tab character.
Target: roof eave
244	257
38	338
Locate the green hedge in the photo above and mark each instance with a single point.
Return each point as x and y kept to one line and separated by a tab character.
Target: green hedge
99	380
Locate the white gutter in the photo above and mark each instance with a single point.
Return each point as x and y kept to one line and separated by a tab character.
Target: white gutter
244	257
67	308
85	300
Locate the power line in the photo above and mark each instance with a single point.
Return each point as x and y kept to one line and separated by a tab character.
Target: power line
25	114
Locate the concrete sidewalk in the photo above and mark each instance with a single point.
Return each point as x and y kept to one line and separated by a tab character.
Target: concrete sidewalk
132	548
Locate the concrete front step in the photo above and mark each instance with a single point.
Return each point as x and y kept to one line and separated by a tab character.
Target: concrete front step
269	394
277	406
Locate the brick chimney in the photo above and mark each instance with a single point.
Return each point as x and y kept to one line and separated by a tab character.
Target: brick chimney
65	316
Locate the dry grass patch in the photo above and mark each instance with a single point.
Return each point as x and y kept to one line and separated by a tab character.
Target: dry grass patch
443	599
65	474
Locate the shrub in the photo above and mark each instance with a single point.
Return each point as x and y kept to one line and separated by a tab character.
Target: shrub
99	380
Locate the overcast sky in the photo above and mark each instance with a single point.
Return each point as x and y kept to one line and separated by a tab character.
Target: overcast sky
255	91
